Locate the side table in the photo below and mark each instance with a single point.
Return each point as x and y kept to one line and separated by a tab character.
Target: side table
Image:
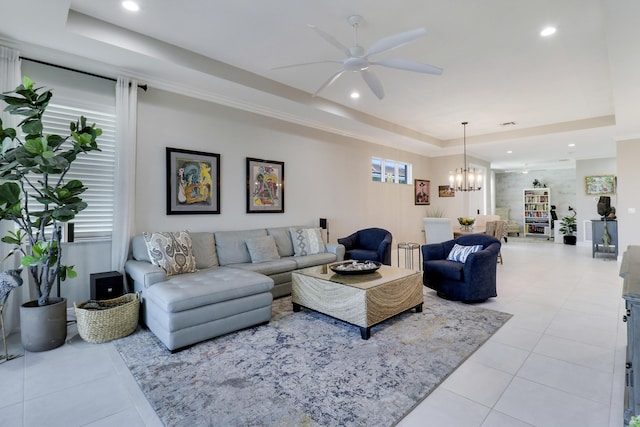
409	249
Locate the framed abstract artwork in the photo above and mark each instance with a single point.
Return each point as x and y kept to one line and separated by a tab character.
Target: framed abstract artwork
421	192
193	182
600	184
265	186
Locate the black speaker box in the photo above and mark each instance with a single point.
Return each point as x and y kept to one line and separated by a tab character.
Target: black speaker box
106	285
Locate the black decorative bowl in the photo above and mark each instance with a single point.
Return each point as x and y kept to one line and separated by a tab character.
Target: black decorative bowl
355	267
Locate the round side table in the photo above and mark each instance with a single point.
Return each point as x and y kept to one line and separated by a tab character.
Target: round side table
409	250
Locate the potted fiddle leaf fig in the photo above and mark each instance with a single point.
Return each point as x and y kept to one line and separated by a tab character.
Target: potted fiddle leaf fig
33	168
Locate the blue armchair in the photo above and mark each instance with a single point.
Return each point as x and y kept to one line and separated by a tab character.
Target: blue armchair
372	244
471	281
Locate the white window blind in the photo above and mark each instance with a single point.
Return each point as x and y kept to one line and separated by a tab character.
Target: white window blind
95	169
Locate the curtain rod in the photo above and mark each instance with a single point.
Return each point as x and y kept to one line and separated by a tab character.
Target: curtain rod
143	87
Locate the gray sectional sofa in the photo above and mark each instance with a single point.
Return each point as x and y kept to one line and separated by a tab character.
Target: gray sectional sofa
232	288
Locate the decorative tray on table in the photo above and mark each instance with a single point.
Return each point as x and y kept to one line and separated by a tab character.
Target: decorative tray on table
355	267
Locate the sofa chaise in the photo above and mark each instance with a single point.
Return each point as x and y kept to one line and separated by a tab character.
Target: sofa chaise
230	283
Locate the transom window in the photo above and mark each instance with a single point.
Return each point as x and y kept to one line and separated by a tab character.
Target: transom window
385	170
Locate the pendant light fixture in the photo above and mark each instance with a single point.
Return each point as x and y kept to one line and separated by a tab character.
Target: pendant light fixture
465	178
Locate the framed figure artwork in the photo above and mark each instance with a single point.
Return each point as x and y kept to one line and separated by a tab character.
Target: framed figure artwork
265	186
193	182
421	192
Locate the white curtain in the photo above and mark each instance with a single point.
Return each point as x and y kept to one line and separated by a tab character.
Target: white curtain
124	204
10	78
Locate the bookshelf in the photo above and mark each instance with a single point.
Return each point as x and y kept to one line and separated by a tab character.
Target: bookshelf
537	216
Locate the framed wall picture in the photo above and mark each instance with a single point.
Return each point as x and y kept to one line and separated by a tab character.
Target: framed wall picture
445	191
265	186
193	182
421	192
600	184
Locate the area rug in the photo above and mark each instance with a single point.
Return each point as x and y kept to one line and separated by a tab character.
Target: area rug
307	369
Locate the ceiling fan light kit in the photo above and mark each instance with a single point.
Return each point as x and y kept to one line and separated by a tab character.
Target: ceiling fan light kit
465	178
357	58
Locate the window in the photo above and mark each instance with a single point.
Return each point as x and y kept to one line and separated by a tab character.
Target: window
95	169
376	168
76	95
383	170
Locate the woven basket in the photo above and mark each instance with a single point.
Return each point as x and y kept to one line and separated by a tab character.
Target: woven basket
97	326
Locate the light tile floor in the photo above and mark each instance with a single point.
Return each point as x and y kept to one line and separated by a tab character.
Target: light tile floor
558	362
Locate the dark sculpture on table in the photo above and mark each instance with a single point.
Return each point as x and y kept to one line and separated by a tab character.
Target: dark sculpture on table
604	206
9	280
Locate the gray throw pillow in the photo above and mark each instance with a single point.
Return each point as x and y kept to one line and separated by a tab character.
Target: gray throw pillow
204	249
262	249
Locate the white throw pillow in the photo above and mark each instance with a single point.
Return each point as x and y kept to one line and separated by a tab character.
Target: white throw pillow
307	241
172	251
460	253
262	249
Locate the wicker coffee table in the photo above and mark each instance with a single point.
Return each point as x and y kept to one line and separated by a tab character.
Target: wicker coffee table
362	300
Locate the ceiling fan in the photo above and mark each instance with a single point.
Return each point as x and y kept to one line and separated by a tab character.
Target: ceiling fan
358	60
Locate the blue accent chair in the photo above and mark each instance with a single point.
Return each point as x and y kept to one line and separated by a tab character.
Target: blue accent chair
370	244
471	281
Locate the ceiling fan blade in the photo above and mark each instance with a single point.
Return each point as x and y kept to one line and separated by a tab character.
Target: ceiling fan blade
408	65
331	39
373	82
330	81
307	63
397	40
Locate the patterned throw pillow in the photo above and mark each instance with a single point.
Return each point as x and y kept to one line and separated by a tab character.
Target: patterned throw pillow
262	249
460	253
173	252
307	241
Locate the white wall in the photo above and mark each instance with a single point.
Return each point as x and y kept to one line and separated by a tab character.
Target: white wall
587	205
628	153
462	204
326	175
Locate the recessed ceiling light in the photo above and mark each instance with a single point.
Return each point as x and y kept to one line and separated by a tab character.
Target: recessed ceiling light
572	145
548	31
509	152
525	172
130	5
355	95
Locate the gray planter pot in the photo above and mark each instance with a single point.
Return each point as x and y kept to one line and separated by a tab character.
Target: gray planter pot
43	328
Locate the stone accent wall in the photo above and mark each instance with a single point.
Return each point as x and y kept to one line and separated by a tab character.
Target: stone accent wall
561	182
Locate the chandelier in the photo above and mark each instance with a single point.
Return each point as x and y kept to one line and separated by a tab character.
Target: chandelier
465	178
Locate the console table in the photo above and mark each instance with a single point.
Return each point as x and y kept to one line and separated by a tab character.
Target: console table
630	271
597	234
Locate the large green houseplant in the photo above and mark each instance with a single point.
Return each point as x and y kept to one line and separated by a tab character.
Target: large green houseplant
33	167
569	227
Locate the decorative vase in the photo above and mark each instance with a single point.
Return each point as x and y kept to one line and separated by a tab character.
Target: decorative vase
569	240
43	328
